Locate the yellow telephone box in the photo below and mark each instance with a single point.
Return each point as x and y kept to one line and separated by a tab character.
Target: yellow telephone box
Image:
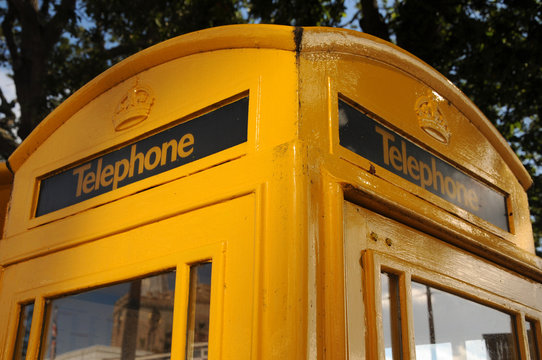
268	192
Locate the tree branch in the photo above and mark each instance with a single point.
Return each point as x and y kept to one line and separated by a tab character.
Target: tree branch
44	10
27	10
6	108
371	21
7	28
7	139
120	50
354	18
54	28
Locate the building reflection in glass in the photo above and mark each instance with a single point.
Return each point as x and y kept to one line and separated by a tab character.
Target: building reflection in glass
447	326
531	339
130	320
391	316
23	332
197	334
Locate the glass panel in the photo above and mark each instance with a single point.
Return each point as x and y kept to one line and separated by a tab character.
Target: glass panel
447	326
391	316
531	337
131	320
23	331
197	333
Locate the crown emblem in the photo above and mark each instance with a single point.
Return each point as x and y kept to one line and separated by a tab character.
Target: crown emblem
134	107
430	117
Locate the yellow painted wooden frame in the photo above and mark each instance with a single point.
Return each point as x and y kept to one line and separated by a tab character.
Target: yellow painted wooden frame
171	244
374	244
297	266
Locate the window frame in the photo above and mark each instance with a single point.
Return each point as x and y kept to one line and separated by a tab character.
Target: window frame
178	242
379	247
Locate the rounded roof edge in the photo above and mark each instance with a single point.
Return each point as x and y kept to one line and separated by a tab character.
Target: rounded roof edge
220	38
317	39
314	39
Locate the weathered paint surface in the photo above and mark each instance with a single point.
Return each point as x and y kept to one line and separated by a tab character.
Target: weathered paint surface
285	215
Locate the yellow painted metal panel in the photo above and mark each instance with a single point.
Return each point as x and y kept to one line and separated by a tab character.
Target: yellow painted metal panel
322	41
391	96
6	183
229	37
271	211
389	246
264	73
223	233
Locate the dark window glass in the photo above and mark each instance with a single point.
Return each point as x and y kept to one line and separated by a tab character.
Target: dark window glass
447	326
197	333
23	331
131	320
391	316
531	337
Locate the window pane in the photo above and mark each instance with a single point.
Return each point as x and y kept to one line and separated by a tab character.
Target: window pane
126	321
447	326
23	332
197	334
391	316
531	337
